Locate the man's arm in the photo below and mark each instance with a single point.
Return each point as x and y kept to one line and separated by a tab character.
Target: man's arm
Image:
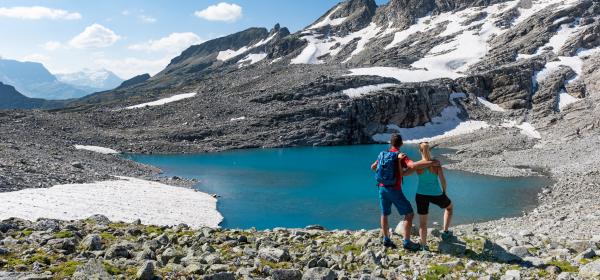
422	164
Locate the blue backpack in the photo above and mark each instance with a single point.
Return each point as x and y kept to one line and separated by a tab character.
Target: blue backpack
387	167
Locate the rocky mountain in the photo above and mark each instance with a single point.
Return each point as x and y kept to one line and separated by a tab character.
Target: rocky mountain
91	80
363	70
10	98
33	80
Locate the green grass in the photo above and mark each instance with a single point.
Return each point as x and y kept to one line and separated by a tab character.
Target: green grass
352	248
65	270
111	269
586	261
153	229
437	272
40	257
564	266
276	265
63	234
106	236
185	233
117	225
27	232
542	273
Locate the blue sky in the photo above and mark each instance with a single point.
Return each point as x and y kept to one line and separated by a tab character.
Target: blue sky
125	36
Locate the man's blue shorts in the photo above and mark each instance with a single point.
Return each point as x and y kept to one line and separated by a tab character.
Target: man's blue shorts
389	196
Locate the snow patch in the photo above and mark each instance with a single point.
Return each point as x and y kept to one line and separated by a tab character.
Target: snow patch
446	125
126	199
526	128
163	101
564	99
403	75
96	149
237	119
490	105
229	54
252	58
360	91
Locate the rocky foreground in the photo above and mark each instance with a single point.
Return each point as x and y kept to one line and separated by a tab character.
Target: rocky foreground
97	248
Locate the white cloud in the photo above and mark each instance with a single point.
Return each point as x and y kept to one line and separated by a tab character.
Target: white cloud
131	66
51	45
36	57
37	13
174	43
147	19
125	12
94	36
221	12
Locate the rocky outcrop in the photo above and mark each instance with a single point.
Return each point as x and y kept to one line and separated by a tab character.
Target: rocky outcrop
300	254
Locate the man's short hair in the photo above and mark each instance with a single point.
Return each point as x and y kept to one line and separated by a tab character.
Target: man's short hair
396	140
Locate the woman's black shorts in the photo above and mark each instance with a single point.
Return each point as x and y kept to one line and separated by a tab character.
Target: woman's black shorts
423	202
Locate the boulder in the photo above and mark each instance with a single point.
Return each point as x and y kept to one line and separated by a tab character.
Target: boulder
47	225
93	269
519	251
454	248
590	270
512	275
92	242
117	251
319	273
99	220
286	274
274	254
146	271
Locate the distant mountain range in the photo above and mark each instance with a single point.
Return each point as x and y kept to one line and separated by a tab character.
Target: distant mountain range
91	80
10	98
33	80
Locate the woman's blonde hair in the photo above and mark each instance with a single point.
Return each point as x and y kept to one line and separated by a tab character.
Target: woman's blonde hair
425	150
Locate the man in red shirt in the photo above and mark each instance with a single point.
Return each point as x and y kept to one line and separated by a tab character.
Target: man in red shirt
389	195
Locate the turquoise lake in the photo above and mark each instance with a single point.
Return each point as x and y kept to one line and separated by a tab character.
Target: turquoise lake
330	186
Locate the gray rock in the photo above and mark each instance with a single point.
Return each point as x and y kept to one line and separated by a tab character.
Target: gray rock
286	274
170	255
99	219
91	242
519	251
117	251
590	270
146	254
553	270
587	254
4	251
47	224
319	273
194	269
314	227
452	248
92	270
274	254
146	271
512	275
77	164
220	276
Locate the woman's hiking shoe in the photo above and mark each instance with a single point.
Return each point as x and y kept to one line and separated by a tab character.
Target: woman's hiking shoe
424	248
387	242
410	246
446	235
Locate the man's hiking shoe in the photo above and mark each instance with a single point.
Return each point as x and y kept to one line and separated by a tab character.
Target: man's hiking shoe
424	248
447	235
410	246
389	244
